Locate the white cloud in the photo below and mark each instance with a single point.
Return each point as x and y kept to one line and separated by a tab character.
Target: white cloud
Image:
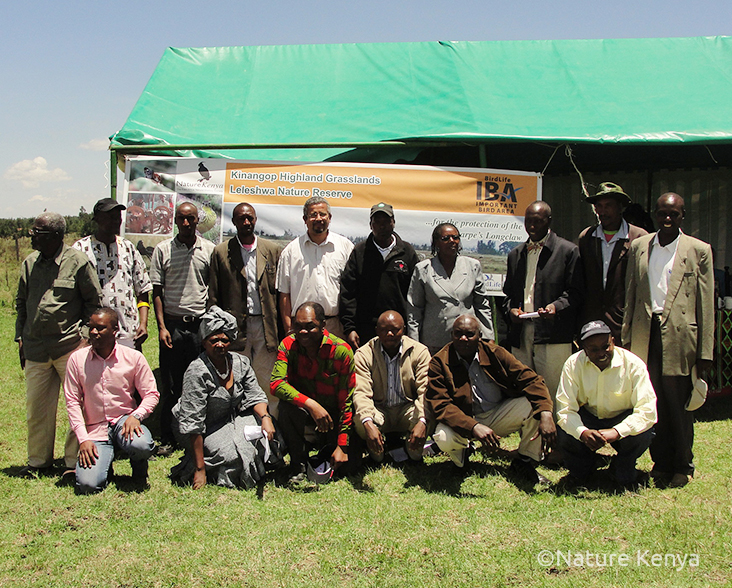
95	145
31	172
39	198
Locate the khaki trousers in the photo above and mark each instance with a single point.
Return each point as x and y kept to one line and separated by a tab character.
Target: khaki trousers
394	419
508	417
43	380
262	360
546	359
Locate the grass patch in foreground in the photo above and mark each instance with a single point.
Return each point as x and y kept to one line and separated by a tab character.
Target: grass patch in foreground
388	527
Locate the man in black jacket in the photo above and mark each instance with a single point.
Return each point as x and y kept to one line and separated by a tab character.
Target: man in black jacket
376	277
543	288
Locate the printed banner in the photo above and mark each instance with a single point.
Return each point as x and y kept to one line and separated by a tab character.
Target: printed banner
486	205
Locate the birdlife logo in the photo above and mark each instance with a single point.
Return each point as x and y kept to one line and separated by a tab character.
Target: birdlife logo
200	176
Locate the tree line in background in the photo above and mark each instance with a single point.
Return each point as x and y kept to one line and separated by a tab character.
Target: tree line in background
80	224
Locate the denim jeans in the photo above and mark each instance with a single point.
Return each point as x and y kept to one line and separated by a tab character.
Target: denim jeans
138	450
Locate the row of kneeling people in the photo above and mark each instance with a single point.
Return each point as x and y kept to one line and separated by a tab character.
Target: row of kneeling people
331	399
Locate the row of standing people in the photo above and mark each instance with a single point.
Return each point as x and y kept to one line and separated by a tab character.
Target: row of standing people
188	275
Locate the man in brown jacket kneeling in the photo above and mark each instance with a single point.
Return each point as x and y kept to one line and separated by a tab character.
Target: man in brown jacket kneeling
478	390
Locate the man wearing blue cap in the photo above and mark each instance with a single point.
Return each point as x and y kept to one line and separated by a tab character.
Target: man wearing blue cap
604	397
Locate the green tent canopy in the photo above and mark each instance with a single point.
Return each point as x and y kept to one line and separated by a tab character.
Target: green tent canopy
619	92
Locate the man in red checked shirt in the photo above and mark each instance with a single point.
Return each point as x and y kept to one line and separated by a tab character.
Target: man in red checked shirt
314	378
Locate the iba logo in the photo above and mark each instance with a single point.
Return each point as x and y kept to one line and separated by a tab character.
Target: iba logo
489	191
489	197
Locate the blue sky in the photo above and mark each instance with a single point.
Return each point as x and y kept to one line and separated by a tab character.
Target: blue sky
72	71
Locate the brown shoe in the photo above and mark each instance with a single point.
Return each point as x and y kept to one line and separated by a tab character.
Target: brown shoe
68	478
679	481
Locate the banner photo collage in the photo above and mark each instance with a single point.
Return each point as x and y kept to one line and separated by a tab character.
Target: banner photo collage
486	205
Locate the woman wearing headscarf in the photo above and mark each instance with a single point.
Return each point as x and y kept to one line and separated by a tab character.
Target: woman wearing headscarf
445	287
220	399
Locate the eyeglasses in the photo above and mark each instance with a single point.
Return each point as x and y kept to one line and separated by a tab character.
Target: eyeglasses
446	238
34	231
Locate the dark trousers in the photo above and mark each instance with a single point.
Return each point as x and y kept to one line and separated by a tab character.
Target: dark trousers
298	430
173	365
580	459
671	450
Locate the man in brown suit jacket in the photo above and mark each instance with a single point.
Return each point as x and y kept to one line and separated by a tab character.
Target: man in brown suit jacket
669	323
246	289
604	254
478	390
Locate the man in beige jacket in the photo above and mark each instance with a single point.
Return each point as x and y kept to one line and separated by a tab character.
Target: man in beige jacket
669	324
391	380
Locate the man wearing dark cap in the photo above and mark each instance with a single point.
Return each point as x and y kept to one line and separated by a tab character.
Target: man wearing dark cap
604	397
376	277
121	271
604	253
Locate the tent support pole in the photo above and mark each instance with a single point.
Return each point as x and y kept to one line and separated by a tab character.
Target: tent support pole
113	174
482	157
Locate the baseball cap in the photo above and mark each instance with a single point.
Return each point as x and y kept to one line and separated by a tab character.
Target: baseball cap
382	207
594	328
107	205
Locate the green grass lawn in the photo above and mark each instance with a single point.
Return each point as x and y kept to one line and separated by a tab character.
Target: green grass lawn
413	526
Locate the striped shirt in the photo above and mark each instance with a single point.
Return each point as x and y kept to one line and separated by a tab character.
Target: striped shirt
329	379
394	393
183	274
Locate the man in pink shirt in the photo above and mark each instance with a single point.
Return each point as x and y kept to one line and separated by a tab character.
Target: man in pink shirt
99	388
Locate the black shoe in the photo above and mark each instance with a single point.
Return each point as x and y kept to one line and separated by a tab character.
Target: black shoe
31	472
641	481
139	472
570	483
553	460
164	450
526	470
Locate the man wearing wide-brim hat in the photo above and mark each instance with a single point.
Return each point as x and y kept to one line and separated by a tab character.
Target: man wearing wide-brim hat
604	254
